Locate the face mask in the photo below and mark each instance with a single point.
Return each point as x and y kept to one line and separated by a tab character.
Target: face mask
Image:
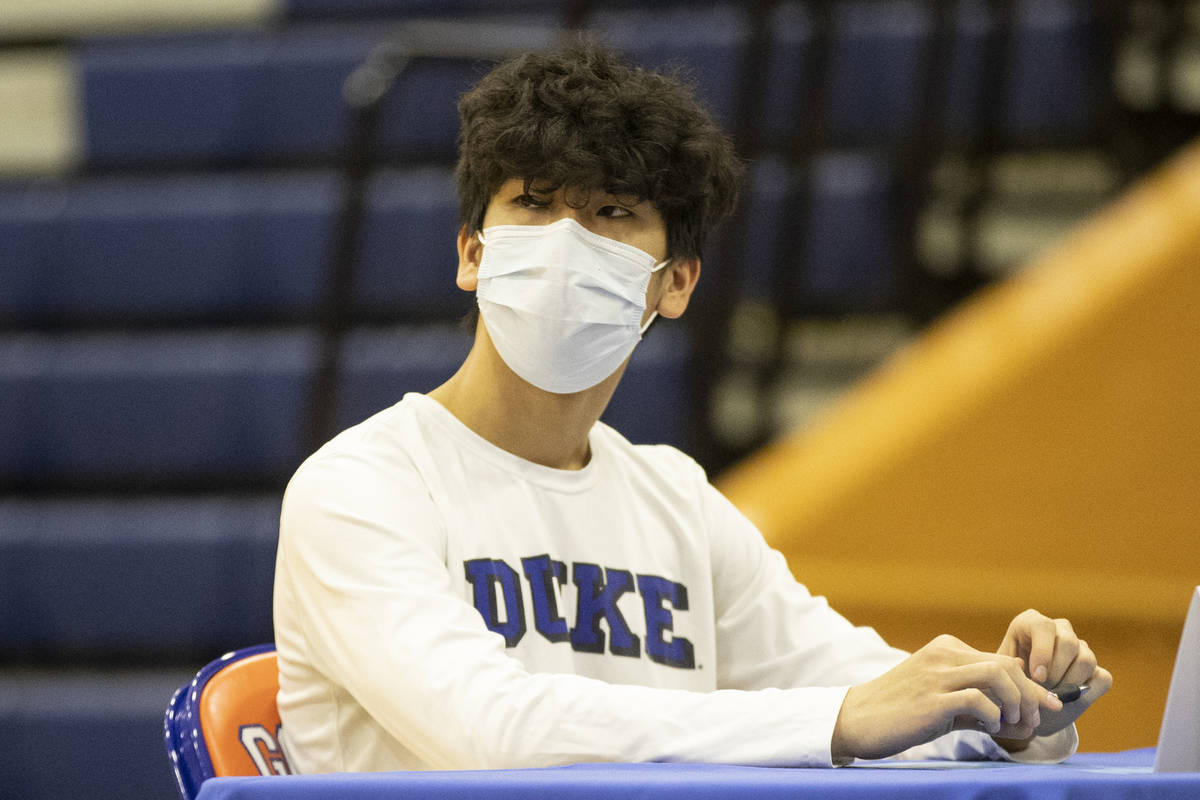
562	305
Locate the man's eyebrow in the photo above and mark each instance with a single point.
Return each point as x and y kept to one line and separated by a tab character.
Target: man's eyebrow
624	197
540	185
628	200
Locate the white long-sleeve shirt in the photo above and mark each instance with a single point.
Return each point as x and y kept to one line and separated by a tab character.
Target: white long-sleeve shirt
442	603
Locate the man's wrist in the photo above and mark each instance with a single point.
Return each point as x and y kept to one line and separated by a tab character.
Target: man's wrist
839	748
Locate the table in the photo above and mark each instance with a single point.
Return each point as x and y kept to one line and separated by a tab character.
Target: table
1104	776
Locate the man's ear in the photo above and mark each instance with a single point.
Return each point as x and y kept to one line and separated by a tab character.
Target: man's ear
469	252
678	283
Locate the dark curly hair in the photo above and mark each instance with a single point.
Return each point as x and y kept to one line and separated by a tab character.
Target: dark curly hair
583	117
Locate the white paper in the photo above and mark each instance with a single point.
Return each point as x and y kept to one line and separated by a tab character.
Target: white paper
1179	737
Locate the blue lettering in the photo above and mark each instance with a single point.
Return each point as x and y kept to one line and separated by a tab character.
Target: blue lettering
484	574
494	582
541	572
678	652
598	598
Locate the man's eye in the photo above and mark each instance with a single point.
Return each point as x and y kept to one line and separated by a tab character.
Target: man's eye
529	201
614	211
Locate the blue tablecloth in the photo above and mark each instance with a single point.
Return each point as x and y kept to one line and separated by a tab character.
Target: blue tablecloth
1102	776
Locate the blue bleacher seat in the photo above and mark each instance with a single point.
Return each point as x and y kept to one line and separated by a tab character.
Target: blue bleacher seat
85	734
380	366
768	233
879	57
213	97
409	259
719	257
251	246
839	256
787	65
250	97
708	43
962	105
164	247
652	402
240	97
420	116
879	61
1051	72
148	575
140	408
1054	72
849	253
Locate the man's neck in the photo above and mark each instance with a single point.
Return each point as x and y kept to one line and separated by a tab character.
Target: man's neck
545	428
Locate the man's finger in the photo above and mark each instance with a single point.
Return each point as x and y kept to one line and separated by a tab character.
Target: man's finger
1100	682
995	679
1066	653
1042	636
972	709
1083	669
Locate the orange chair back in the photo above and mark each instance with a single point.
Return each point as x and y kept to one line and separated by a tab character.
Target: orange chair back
240	721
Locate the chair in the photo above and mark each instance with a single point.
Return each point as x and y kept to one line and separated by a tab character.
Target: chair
875	70
380	365
1051	93
105	718
651	404
838	258
225	721
165	248
873	76
217	97
707	41
849	263
206	560
413	212
160	408
247	97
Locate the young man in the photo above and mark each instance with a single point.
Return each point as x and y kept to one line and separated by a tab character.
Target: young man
487	576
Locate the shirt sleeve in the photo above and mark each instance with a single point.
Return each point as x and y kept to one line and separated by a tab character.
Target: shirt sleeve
772	632
380	617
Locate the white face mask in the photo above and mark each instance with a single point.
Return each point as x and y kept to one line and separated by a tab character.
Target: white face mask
562	305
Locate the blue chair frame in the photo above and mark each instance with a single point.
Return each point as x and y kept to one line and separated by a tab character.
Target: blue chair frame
185	742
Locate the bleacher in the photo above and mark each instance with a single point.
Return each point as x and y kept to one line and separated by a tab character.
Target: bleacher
187	308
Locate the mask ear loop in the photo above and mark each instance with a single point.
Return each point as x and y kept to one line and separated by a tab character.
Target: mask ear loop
653	314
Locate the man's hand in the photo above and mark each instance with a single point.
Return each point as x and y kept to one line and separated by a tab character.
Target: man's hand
1054	655
944	686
